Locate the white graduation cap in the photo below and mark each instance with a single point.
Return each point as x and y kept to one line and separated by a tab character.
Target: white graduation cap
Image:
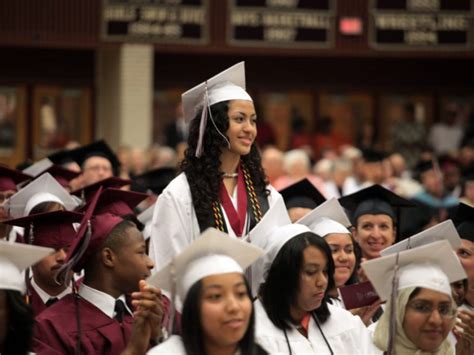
442	231
38	167
146	217
43	189
16	257
213	253
227	85
434	266
277	215
327	218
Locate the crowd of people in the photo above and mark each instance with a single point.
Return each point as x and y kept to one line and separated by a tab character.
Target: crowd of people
225	247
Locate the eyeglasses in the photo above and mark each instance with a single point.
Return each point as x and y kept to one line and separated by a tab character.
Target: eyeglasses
426	309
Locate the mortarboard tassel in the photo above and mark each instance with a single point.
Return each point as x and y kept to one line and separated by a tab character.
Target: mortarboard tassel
203	123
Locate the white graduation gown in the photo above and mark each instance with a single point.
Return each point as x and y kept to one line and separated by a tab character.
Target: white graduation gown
345	333
172	345
175	225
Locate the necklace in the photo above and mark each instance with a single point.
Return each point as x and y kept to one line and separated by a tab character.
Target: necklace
229	175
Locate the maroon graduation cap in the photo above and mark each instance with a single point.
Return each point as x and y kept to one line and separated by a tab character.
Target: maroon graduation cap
9	178
118	202
87	192
51	229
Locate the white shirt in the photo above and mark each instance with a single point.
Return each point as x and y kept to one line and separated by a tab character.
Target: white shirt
46	296
103	301
345	333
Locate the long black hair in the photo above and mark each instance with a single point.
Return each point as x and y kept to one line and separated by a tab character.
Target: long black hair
203	173
192	331
20	324
281	287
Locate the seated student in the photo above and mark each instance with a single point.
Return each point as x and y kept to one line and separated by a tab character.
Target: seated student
98	318
330	222
53	230
97	161
421	310
292	310
376	218
300	198
218	315
16	318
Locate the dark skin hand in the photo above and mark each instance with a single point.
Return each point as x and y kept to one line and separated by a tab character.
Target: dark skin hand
147	316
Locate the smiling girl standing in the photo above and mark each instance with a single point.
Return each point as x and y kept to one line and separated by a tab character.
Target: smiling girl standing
222	183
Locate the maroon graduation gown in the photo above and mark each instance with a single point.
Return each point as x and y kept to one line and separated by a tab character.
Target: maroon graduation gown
55	331
35	301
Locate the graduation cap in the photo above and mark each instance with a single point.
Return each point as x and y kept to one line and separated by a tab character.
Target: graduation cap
465	222
155	180
61	157
117	202
327	218
213	253
43	189
302	194
9	178
227	85
270	234
441	231
276	216
14	258
88	191
51	229
96	149
434	266
62	175
375	200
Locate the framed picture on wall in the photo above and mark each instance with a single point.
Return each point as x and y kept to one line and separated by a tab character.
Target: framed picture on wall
61	115
12	125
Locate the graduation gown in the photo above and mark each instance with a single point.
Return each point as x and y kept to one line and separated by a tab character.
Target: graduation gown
345	333
172	345
174	223
55	331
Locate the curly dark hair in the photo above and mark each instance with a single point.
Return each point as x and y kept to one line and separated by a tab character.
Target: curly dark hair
203	173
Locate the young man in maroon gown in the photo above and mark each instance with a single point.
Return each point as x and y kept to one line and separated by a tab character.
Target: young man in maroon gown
112	303
52	230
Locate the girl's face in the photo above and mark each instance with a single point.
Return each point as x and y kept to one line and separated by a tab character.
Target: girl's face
429	317
343	256
242	126
225	309
466	257
313	282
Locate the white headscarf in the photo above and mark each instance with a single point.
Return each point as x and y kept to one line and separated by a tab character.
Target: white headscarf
403	345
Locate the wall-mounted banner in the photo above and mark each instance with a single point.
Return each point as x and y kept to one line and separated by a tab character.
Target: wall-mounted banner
421	24
158	21
281	23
